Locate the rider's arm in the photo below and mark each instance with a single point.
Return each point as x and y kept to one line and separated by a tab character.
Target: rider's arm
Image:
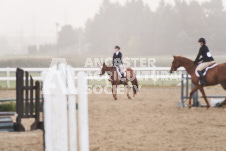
120	57
201	59
113	60
198	56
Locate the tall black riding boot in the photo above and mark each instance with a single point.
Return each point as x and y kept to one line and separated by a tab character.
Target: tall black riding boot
122	77
202	78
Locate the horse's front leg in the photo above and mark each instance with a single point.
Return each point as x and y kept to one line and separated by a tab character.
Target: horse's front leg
128	90
191	93
204	96
114	91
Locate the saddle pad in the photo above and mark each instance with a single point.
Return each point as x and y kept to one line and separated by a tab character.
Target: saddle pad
207	68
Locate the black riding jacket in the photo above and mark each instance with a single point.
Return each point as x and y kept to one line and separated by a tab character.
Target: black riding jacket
117	59
206	55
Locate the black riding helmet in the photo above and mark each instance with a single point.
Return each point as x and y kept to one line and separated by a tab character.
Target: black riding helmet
202	40
117	47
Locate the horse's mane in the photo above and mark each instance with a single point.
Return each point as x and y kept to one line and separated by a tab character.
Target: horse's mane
183	58
111	67
187	63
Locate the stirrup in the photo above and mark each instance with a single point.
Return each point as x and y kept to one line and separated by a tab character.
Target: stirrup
203	83
123	79
202	80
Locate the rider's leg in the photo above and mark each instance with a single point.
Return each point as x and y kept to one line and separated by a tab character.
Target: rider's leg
121	68
118	71
202	78
200	68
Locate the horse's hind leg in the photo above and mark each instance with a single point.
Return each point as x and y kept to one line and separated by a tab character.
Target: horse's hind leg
223	84
128	90
204	96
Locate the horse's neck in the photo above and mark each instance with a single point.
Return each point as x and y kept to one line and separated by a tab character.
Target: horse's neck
188	65
110	69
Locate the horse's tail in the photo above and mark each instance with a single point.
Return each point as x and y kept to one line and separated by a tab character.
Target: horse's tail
135	86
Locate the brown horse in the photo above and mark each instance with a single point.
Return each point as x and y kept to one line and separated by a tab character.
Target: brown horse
115	80
214	76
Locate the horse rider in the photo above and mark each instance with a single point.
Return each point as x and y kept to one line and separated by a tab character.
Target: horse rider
117	61
206	59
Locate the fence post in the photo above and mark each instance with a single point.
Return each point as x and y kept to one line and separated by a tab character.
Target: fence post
195	97
83	112
187	81
182	89
72	110
37	124
60	109
19	99
55	110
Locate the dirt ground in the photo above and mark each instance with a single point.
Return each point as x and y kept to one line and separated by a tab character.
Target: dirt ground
151	122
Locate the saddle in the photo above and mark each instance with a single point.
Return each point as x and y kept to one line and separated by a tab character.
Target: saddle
206	69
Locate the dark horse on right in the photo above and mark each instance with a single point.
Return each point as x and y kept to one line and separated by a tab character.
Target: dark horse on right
214	76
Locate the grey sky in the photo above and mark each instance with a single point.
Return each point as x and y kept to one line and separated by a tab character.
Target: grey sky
38	17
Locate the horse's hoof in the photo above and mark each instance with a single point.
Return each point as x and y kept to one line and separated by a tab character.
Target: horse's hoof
208	106
115	98
189	106
128	96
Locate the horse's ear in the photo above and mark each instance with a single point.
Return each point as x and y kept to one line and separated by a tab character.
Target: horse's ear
104	63
174	56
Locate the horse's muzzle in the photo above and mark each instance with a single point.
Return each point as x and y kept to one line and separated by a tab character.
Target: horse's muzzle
171	70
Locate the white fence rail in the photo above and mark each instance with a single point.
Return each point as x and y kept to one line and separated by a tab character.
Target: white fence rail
7	74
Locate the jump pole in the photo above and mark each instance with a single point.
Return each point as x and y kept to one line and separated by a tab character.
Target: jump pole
195	96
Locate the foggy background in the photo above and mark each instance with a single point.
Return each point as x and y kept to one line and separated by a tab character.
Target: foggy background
32	31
